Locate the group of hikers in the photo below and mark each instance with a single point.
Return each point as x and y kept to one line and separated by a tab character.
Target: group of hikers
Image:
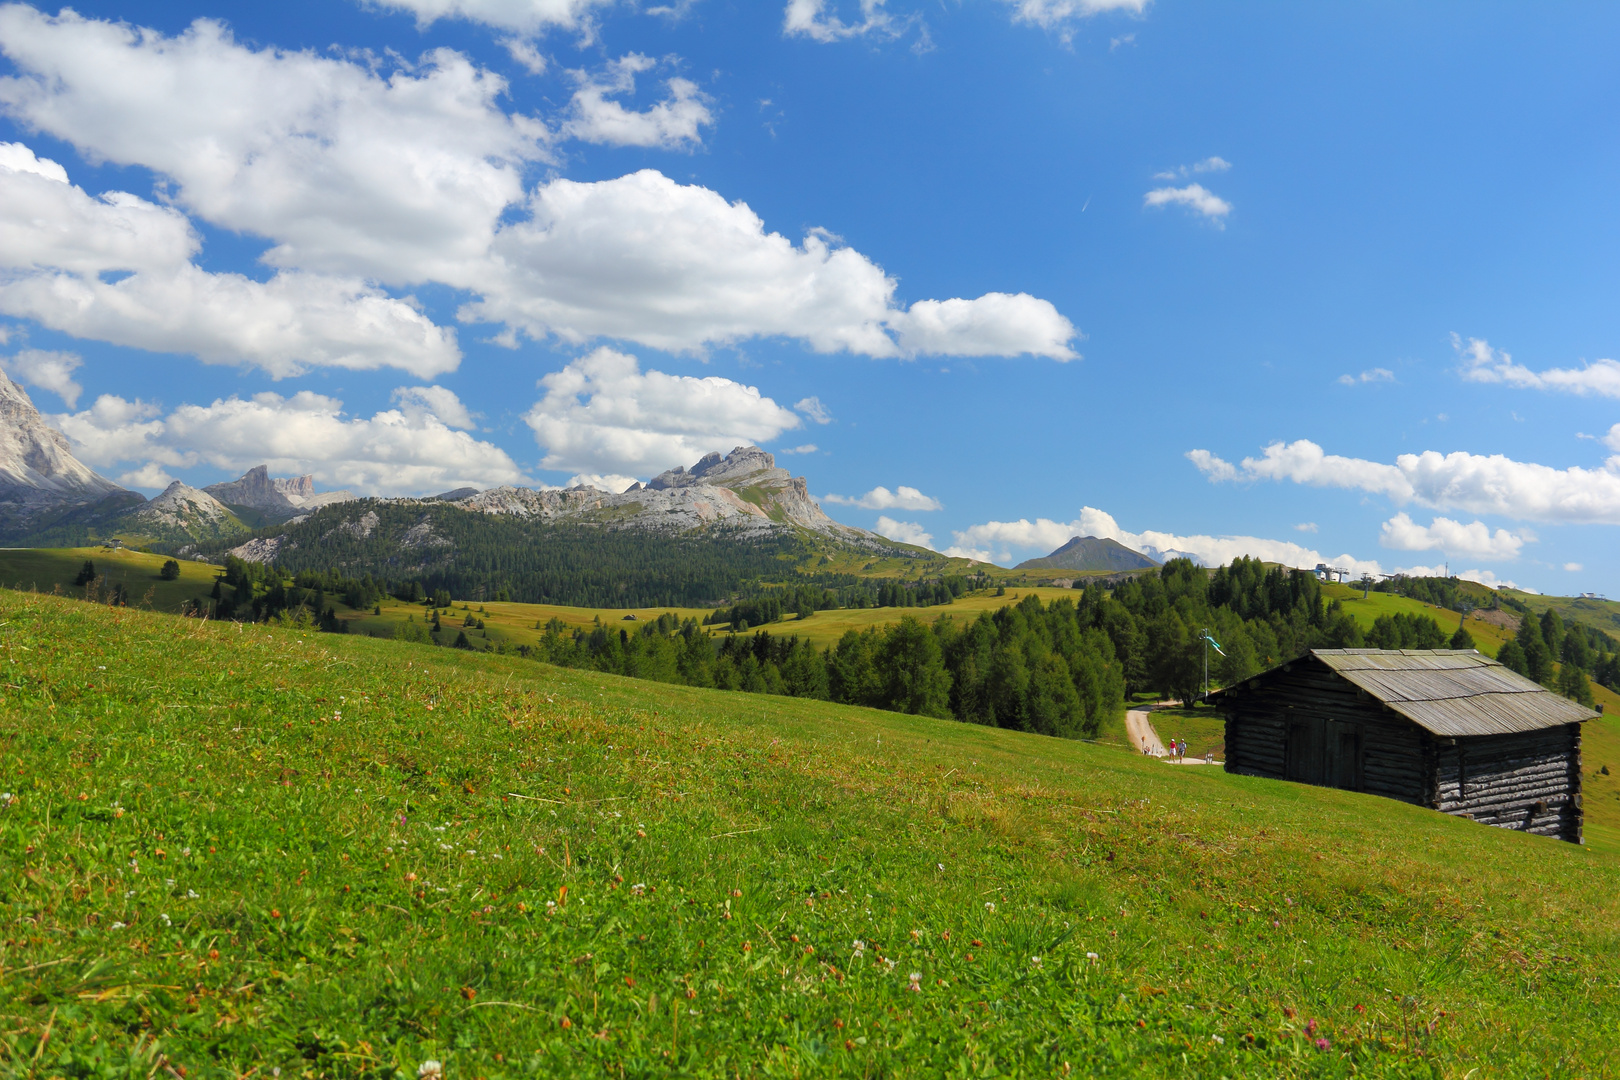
1178	748
1177	751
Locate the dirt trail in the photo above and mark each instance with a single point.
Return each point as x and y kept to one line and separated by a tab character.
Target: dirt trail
1139	726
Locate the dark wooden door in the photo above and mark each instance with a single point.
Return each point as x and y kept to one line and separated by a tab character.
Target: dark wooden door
1343	755
1306	750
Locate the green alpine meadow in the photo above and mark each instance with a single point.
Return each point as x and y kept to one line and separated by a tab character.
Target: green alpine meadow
245	850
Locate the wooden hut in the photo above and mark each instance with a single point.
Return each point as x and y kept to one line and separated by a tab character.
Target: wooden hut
1448	729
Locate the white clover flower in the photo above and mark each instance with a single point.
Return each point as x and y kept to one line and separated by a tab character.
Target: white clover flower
1092	956
1217	1038
430	1070
637	890
1035	960
165	917
117	926
988	906
192	894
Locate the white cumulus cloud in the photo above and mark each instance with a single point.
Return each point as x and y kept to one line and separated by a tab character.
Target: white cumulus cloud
998	541
807	448
368	177
1058	14
810	18
523	16
1483	364
435	401
397	176
1474	539
47	370
676	267
1474	483
674	123
881	498
996	324
602	414
907	532
58	244
1195	197
394	452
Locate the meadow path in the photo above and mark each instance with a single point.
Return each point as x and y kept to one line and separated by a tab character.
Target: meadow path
1139	726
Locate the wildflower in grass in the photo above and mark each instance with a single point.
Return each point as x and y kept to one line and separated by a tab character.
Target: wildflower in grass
637	889
430	1070
915	985
1323	1044
1217	1039
989	906
1092	956
1310	1027
1035	960
165	917
118	926
860	948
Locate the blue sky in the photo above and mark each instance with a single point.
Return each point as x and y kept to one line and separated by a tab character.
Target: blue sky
1300	281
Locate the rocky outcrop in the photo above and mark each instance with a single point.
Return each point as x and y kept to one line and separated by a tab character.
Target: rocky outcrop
259	549
183	510
277	498
744	489
39	476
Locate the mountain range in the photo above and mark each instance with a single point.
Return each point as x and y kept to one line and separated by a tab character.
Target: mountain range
49	498
743	496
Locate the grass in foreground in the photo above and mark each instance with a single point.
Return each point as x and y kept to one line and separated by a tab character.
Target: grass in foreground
238	848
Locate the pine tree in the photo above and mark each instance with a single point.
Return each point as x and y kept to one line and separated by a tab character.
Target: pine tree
87	573
1572	684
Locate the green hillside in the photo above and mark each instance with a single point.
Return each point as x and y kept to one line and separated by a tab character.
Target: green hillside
237	848
1600	614
54	570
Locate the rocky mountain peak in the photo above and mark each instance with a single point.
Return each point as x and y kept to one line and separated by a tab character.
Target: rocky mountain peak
278	498
38	471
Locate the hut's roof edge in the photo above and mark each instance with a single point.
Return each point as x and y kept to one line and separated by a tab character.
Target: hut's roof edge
1449	692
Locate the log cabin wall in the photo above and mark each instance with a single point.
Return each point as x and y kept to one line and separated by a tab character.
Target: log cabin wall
1351	740
1530	781
1306	722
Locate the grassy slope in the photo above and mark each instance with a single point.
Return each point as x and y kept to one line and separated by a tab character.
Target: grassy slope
1488	637
1601	614
346	894
516	622
53	569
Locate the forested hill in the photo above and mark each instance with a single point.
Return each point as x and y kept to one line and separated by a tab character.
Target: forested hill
481	556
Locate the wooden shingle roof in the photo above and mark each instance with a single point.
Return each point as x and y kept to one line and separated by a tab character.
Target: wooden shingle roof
1453	692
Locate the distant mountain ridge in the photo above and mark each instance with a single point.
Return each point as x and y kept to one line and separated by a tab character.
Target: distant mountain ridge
277	499
743	494
1092	553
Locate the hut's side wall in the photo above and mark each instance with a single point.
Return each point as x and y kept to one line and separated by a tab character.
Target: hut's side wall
1529	781
1305	699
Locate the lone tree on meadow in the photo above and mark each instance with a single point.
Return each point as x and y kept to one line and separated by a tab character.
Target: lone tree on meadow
87	573
170	571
